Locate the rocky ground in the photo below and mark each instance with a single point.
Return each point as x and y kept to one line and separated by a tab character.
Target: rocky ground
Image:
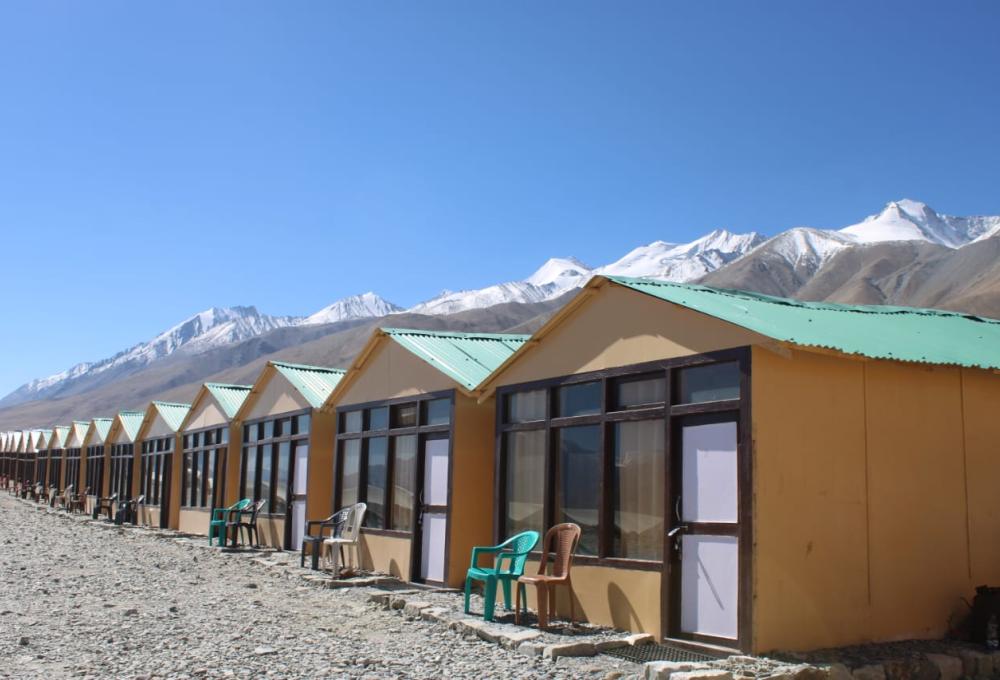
79	600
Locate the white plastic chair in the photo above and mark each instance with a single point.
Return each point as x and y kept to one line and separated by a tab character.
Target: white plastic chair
347	536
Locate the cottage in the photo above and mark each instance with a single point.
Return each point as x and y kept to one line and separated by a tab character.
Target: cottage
41	471
756	472
4	455
72	455
287	449
158	438
207	469
94	461
120	447
57	449
415	444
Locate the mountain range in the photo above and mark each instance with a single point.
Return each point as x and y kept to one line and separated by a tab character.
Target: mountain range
907	253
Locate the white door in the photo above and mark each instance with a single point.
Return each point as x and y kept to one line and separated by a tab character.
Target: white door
300	477
709	547
434	509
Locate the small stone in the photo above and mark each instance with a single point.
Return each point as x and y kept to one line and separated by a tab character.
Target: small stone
23	641
131	612
531	648
708	674
950	667
414	608
252	585
870	672
569	649
513	639
264	651
640	639
839	671
661	670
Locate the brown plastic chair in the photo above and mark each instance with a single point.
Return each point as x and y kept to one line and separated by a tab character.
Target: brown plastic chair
562	540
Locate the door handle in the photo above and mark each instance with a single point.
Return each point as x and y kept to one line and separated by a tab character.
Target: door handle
674	536
677	508
676	530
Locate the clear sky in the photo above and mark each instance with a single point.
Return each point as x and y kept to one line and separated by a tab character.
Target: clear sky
160	158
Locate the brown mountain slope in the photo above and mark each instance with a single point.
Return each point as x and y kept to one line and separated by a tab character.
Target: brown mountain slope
178	379
905	273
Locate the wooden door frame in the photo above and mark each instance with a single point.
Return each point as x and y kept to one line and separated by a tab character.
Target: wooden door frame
737	411
417	542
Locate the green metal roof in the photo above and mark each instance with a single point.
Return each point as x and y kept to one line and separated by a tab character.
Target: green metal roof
229	397
313	382
466	358
61	431
131	422
881	332
103	425
173	414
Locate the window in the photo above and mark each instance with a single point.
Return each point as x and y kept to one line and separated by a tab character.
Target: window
637	489
525	492
377	474
601	465
583	399
437	412
525	407
266	464
156	459
639	392
350	478
578	482
714	382
377	458
203	463
404	415
120	473
95	470
404	468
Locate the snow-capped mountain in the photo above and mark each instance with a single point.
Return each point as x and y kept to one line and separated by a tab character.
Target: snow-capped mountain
909	220
684	262
361	306
785	262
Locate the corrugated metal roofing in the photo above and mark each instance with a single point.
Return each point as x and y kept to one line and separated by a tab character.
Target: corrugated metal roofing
102	425
173	414
59	434
313	382
466	358
43	440
229	397
131	422
881	332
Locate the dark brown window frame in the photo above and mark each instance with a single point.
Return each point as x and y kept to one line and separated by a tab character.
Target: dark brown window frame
669	413
390	432
293	438
95	469
153	457
121	458
71	473
219	481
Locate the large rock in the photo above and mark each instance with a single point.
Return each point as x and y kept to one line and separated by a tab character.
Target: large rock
913	668
870	672
950	667
661	670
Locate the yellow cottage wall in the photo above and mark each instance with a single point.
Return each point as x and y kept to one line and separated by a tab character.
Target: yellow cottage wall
874	502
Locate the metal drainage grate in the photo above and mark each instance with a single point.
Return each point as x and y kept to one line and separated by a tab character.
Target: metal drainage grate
656	652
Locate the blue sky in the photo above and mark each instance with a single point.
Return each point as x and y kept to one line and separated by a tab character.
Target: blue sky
160	158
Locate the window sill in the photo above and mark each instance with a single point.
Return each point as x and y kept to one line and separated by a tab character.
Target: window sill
394	533
609	562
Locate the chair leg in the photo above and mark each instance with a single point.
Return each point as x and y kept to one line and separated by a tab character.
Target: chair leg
517	603
468	592
569	589
552	601
506	593
543	606
489	598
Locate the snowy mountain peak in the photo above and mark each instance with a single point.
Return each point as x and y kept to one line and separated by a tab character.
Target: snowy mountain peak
687	261
366	305
560	273
909	220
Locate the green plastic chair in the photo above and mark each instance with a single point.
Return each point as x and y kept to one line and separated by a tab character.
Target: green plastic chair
514	551
219	518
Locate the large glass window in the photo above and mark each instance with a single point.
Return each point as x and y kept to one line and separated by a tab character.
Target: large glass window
593	451
378	454
266	461
156	457
204	467
714	382
578	482
525	489
350	478
637	489
377	473
404	469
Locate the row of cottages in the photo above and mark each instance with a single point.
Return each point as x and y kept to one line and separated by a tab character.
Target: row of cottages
747	471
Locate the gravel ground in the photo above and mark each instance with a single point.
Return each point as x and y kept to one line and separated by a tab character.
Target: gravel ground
79	600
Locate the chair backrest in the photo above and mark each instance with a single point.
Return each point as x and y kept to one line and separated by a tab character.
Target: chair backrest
256	510
352	525
562	540
140	500
515	551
